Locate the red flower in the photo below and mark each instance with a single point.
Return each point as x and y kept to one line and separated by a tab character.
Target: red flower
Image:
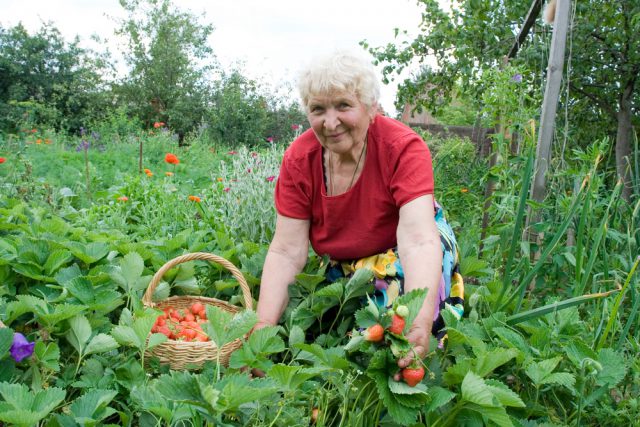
232	152
158	125
195	199
254	154
270	139
171	158
2	160
226	190
270	178
295	127
123	198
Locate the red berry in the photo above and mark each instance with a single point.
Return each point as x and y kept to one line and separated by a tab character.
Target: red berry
412	376
374	333
397	325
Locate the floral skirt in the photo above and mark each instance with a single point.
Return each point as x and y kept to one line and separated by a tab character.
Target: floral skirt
388	277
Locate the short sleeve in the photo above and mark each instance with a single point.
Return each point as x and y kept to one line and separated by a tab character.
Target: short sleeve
291	199
410	169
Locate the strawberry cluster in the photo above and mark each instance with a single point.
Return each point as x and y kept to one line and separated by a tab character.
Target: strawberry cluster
412	374
183	325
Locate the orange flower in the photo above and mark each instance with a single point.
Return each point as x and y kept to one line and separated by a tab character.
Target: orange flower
38	141
219	179
195	199
148	172
123	198
464	190
171	158
47	141
158	125
2	160
168	173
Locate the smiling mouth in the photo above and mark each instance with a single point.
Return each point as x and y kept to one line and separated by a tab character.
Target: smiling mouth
335	135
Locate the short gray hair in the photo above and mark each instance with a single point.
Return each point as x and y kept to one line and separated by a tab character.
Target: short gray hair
340	71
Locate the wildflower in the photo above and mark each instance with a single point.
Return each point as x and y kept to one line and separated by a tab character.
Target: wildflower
158	125
295	127
47	141
232	152
34	130
168	173
195	199
249	170
517	78
123	198
148	172
171	158
39	141
270	139
270	178
219	179
21	348
226	190
2	160
254	154
464	190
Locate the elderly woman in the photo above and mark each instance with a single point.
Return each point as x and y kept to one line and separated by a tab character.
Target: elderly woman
359	186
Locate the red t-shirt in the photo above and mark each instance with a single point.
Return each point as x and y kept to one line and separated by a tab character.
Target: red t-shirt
363	221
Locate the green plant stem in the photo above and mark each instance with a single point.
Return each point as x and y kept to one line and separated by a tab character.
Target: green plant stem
450	415
616	306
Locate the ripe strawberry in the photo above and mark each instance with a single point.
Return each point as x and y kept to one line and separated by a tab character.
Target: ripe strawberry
196	307
413	376
397	325
189	317
374	333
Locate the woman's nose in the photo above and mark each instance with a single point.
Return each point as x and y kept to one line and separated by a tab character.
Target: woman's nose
331	120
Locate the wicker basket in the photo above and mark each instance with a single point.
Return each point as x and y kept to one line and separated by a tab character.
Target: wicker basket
186	354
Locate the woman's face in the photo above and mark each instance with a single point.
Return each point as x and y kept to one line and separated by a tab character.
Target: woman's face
339	120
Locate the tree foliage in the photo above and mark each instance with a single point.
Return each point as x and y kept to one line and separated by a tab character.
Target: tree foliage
45	80
169	57
475	35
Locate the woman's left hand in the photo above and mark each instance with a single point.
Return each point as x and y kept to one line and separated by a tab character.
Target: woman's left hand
418	336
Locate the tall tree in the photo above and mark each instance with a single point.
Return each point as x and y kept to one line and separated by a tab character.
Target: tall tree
169	57
475	34
45	80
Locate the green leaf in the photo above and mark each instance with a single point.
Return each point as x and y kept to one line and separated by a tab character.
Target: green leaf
48	355
81	288
309	281
215	328
365	317
538	371
79	333
475	390
577	351
125	335
504	394
334	291
439	397
180	386
241	324
356	286
23	407
497	415
60	312
237	390
414	301
89	253
290	377
400	387
487	362
56	259
92	406
560	378
101	343
6	339
614	367
155	340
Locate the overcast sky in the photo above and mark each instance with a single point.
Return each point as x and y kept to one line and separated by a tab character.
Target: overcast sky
273	39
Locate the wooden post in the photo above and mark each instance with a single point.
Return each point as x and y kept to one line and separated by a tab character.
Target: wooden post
549	107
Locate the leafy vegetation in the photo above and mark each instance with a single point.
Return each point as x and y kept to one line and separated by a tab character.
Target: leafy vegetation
87	216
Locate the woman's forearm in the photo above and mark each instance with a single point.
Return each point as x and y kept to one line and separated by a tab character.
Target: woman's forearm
279	271
422	266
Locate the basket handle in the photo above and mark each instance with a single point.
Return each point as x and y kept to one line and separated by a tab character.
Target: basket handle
246	292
